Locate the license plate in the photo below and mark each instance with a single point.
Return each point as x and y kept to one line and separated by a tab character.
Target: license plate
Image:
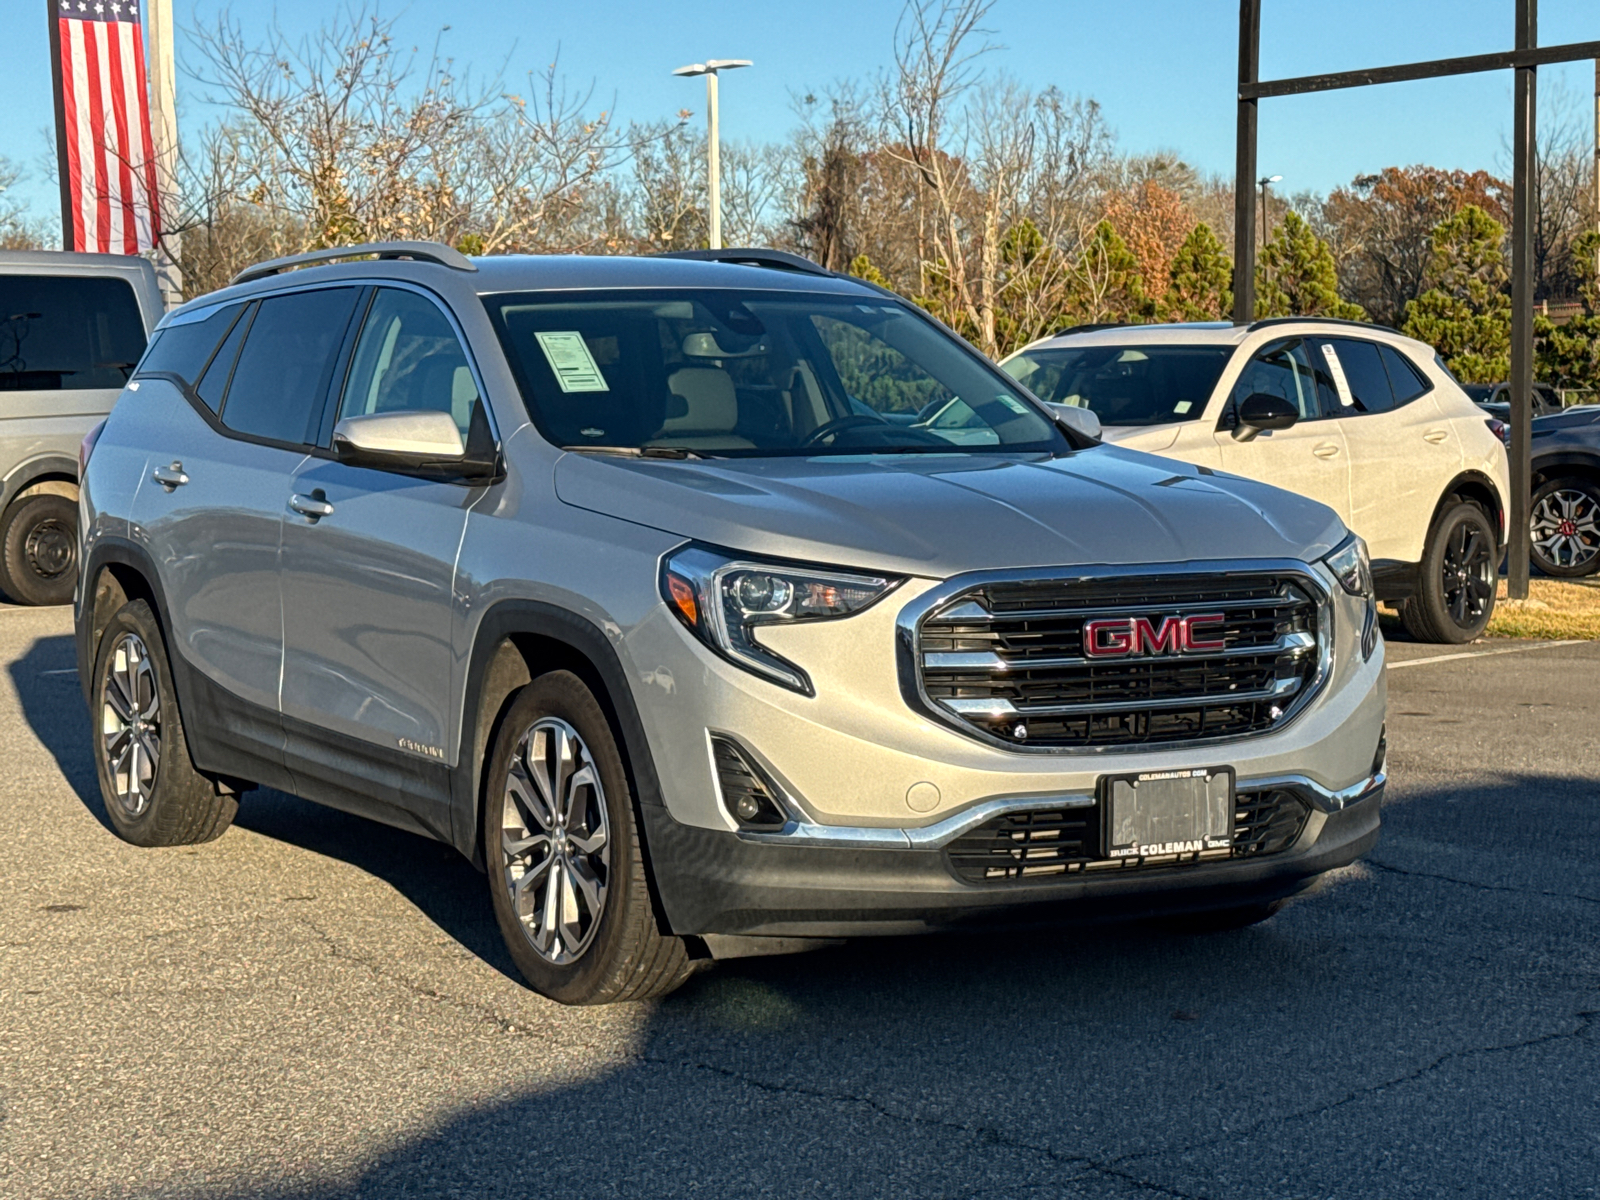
1168	812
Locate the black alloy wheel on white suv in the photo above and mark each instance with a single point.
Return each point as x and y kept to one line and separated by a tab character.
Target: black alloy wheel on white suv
1457	578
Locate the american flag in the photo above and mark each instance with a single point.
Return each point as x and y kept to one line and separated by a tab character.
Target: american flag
108	171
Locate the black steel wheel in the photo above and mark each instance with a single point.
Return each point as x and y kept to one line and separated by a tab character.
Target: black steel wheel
40	550
1456	584
1564	528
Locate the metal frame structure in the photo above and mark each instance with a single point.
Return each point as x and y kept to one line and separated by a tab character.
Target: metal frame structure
1525	60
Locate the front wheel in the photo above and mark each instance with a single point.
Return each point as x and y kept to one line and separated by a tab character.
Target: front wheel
1456	580
1564	534
566	871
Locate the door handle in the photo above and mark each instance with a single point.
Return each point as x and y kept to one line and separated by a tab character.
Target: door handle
1435	436
312	507
170	477
1325	450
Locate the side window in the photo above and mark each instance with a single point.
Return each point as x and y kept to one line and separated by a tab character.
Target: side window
408	359
1407	380
282	373
215	381
1364	374
67	332
1282	369
184	347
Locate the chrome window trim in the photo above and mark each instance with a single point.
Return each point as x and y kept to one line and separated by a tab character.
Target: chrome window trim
908	629
801	831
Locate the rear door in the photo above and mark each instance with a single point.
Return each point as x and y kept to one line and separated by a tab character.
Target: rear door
212	508
1310	457
369	595
1403	451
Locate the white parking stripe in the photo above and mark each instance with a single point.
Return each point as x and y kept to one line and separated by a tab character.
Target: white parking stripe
1422	662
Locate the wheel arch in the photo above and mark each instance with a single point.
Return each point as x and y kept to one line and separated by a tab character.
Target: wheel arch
1479	489
47	473
516	641
116	573
1565	466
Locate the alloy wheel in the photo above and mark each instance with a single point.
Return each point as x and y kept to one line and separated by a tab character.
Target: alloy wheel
130	723
1468	572
555	841
1566	529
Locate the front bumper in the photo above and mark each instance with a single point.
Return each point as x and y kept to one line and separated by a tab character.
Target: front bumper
715	882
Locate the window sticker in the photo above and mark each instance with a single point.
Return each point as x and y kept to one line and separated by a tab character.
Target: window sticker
1336	369
1182	406
574	367
1011	402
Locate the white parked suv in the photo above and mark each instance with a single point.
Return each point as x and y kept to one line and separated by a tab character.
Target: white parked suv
1368	422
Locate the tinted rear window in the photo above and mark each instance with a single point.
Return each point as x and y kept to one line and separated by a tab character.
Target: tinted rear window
282	372
1124	385
184	349
1407	380
67	332
1363	371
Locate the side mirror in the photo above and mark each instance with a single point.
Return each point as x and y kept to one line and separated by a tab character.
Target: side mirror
1076	421
1260	411
422	442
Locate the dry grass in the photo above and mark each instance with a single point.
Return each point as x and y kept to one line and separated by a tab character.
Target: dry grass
1555	608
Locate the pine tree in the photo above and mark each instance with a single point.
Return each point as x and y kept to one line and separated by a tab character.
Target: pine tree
1297	276
1107	286
1201	287
1466	314
1568	355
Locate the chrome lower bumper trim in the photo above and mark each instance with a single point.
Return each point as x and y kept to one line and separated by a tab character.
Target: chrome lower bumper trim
942	833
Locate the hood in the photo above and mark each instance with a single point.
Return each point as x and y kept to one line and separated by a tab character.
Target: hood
1571	418
940	516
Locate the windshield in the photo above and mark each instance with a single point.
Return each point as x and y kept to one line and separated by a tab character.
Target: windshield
1124	385
756	374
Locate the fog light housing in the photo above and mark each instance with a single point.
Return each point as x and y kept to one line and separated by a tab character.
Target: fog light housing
750	797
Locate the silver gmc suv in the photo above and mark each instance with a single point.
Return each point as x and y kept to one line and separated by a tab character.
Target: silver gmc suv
714	604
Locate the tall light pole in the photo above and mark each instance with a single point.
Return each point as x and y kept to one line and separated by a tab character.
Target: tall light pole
1266	181
709	69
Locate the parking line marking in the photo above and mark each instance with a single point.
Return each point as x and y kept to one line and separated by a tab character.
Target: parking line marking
1420	662
62	671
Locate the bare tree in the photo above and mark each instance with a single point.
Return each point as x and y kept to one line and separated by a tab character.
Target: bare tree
17	230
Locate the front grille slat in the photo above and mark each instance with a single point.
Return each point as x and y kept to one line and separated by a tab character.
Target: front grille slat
1008	660
1055	842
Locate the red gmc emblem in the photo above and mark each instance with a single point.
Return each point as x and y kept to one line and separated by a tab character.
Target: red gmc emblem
1120	637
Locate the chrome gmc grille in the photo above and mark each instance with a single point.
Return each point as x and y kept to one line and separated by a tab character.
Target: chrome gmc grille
1008	659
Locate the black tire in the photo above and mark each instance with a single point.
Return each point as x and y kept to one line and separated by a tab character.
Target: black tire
1456	580
613	950
1564	535
173	804
39	550
1223	920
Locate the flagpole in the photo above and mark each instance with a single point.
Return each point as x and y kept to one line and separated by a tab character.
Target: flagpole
62	174
164	137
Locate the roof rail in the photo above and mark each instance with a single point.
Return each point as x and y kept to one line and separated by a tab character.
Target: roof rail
1089	328
432	252
1269	322
778	260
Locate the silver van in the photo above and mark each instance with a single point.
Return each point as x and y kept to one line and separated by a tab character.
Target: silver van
72	326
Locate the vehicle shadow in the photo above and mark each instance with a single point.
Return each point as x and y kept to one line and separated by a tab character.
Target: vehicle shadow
46	681
1108	1061
433	877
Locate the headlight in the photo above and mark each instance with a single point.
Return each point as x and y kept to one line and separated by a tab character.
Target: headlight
1351	567
725	599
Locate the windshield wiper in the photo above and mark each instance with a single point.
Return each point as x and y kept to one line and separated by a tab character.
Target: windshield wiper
642	451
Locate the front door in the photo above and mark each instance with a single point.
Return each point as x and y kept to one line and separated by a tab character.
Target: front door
369	587
1310	457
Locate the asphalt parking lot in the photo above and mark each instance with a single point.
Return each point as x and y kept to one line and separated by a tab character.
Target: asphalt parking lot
318	1007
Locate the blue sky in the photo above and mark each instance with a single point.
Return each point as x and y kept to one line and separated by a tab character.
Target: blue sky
1163	70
